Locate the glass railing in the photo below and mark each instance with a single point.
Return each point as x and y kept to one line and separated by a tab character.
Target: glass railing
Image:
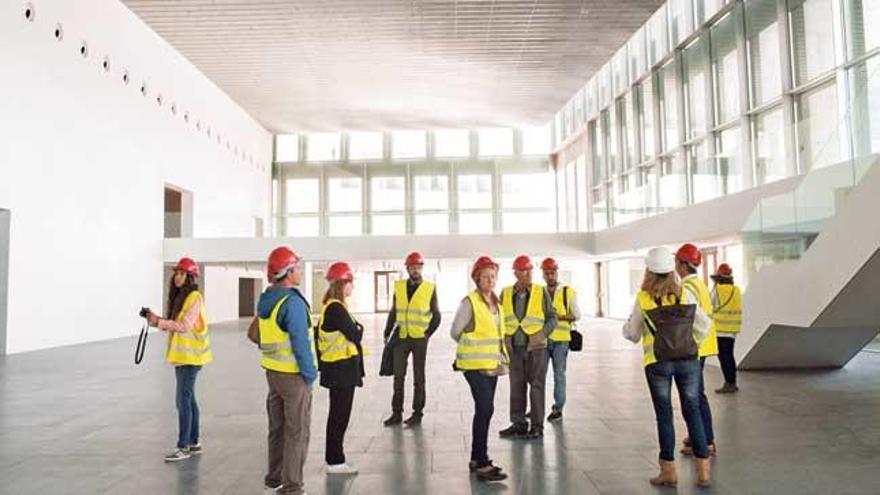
782	227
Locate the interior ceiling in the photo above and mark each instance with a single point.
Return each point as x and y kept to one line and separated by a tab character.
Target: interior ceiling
390	64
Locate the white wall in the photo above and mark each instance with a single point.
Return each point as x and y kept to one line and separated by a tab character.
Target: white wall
84	159
220	286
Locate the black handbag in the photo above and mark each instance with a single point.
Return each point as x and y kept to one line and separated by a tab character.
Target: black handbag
386	367
576	344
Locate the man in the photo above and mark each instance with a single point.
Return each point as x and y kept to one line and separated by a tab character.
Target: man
687	260
288	355
416	315
727	314
567	312
528	320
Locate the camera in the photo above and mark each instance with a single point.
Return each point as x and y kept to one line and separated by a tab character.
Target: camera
144	312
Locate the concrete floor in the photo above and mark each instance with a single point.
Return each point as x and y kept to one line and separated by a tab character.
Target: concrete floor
86	420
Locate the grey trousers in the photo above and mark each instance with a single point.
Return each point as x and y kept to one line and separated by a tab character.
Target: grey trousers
289	406
528	373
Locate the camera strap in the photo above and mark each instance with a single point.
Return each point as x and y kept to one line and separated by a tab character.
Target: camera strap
142	343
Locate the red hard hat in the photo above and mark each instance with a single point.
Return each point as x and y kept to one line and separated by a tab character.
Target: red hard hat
281	259
415	258
724	270
690	254
340	271
522	263
481	263
188	265
549	264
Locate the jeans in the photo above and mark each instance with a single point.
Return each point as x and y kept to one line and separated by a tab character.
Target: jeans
725	356
187	409
483	392
558	353
419	350
686	374
705	411
341	400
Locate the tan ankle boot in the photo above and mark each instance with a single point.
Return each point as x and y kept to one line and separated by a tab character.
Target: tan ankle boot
704	473
667	476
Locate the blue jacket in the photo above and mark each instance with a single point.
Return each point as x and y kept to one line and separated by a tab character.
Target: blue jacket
293	318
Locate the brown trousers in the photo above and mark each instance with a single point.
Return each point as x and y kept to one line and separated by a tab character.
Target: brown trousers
289	406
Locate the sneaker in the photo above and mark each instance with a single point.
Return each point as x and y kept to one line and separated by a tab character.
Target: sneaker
472	466
514	430
177	455
535	432
341	469
269	490
554	416
195	449
395	419
490	473
414	420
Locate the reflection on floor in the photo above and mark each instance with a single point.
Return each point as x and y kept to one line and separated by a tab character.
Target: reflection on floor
85	420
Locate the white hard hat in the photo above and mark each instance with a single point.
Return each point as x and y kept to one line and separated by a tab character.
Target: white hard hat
660	260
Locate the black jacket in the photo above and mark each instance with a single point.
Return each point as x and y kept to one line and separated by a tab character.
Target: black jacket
348	372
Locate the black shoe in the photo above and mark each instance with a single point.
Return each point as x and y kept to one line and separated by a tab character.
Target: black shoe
514	430
472	466
535	432
414	420
489	475
395	419
554	416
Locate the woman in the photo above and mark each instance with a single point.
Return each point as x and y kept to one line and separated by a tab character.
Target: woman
189	348
481	355
340	362
661	287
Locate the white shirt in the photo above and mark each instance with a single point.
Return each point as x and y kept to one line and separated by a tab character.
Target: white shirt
635	325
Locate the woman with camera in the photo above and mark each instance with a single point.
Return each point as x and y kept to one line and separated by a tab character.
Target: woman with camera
189	348
340	360
482	356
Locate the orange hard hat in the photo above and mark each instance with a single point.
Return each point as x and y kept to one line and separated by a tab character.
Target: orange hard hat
188	265
281	259
549	264
522	263
340	272
690	254
415	258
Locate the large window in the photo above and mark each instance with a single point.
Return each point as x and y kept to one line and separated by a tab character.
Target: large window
705	9
452	143
646	118
637	56
345	225
728	154
286	148
302	196
818	128
680	20
323	146
706	179
344	194
474	191
673	182
669	106
303	226
408	144
431	192
862	19
432	223
628	125
387	193
812	37
600	208
536	140
658	41
474	223
530	190
612	145
696	70
515	222
725	66
770	160
365	145
388	225
762	31
496	142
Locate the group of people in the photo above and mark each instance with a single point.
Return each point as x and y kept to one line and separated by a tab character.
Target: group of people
518	333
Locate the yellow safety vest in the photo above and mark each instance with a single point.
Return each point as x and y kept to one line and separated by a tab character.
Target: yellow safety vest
482	349
727	315
275	343
562	332
413	316
192	347
533	321
332	344
696	286
647	303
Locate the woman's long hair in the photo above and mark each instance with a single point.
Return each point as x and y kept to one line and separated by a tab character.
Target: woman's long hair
177	295
660	286
335	291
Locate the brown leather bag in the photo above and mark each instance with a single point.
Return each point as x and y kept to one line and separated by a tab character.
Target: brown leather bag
253	332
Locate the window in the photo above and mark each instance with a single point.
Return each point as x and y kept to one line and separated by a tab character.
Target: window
388	225
572	198
673	182
629	198
600	208
286	148
323	146
770	161
620	76
646	118
669	106
728	154
611	140
515	222
581	192
705	177
862	18
431	192
865	90
597	145
628	125
812	38
561	199
303	226
637	56
534	190
579	109
658	44
452	143
344	193
705	9
347	225
603	81
474	191
302	196
387	194
762	33
696	70
408	144
818	124
475	223
725	66
536	140
680	20
592	98
365	145
496	142
432	223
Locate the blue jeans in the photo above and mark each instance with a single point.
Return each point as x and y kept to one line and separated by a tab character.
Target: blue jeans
686	374
558	353
705	411
187	409
483	392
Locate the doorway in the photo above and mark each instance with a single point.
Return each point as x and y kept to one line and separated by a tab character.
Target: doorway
383	284
248	295
178	212
600	289
4	275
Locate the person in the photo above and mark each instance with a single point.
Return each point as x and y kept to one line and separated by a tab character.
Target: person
727	314
687	259
189	348
482	356
567	313
416	315
660	287
288	356
528	320
340	362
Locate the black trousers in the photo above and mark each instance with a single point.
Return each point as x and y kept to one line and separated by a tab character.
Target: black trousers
483	392
341	400
419	350
725	356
